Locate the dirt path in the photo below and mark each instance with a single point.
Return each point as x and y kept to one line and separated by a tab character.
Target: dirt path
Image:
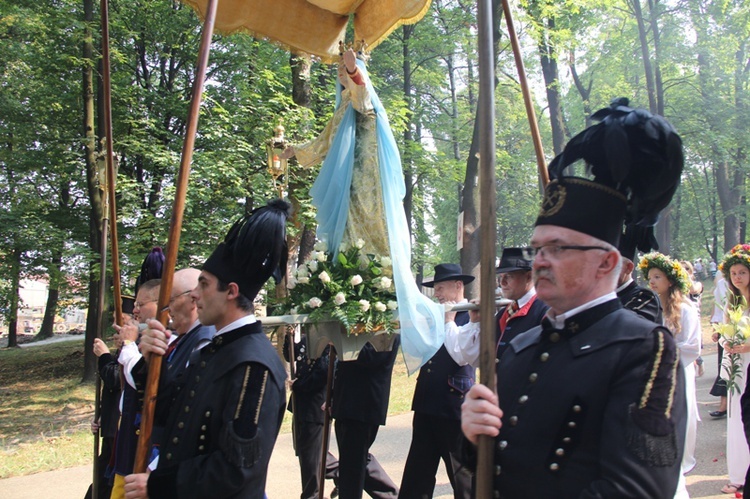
391	448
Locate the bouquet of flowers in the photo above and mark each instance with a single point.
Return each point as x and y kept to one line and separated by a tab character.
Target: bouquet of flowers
353	288
736	332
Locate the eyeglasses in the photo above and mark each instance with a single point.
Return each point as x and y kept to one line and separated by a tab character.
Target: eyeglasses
554	251
139	304
172	299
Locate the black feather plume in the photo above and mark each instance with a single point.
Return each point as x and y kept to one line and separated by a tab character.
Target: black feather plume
152	267
634	152
257	246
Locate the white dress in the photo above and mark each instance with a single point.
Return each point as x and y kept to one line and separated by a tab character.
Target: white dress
689	343
738	454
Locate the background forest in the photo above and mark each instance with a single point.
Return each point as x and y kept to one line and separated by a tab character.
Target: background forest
688	60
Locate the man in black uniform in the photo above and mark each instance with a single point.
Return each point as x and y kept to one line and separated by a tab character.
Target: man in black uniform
308	397
227	408
361	389
642	301
527	310
440	390
592	401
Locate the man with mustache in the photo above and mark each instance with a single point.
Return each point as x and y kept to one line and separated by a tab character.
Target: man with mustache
591	403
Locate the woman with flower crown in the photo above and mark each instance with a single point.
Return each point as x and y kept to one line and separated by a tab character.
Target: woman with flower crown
736	270
667	278
359	195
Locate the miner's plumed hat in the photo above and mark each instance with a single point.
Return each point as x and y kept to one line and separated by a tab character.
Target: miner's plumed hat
254	249
636	160
152	267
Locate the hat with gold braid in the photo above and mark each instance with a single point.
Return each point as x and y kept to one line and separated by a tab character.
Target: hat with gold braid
636	160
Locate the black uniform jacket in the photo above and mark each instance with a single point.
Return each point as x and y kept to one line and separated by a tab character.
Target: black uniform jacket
642	301
442	383
596	409
361	387
309	388
109	372
222	424
529	316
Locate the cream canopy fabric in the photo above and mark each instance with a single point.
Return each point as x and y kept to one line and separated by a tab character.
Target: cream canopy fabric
314	26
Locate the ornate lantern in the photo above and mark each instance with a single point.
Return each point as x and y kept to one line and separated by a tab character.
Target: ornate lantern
277	165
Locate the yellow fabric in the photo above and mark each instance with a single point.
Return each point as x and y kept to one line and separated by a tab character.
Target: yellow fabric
314	26
118	488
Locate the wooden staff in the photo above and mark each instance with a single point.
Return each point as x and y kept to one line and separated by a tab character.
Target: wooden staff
110	214
326	421
110	159
488	233
100	320
530	113
175	226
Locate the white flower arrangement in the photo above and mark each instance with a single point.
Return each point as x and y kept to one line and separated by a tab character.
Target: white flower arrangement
352	288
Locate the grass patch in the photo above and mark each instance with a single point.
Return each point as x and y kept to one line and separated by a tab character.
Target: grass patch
45	410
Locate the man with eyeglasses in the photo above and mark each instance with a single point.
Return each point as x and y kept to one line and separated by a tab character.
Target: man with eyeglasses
131	402
591	403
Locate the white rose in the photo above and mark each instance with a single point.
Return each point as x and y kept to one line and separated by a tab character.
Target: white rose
314	302
380	306
365	305
357	279
324	277
392	305
291	283
339	299
385	261
321	246
313	266
303	280
302	271
385	283
360	243
321	256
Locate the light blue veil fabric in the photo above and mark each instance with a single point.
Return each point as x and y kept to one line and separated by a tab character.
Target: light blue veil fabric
422	323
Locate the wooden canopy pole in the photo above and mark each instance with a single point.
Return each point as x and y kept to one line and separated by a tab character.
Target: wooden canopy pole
175	227
100	320
109	224
110	158
488	233
541	164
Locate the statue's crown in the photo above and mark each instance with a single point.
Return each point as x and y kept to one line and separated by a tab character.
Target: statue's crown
359	47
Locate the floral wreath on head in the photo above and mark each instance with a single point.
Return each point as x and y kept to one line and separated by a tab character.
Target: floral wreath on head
739	254
675	272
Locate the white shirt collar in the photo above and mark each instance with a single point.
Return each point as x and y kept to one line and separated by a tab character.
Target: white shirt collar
559	321
242	321
627	283
526	298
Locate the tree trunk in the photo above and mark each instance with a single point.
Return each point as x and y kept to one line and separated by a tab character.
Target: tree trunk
50	310
471	252
406	158
646	54
94	192
15	281
552	87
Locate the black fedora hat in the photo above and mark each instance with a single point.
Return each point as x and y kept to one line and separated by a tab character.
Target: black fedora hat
448	272
513	259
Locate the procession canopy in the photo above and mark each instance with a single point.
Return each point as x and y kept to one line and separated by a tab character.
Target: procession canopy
314	26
